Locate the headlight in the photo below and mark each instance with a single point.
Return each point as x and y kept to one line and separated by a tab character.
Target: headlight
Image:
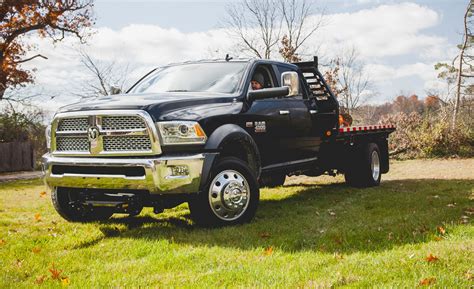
181	132
48	137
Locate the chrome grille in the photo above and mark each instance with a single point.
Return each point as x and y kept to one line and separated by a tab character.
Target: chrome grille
73	124
122	123
127	143
71	144
120	133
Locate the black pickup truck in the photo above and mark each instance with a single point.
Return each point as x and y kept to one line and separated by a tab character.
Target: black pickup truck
209	133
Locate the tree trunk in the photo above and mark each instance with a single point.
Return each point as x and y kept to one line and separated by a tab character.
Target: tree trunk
457	99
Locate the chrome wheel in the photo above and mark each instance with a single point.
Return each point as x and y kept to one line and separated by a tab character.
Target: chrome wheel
375	165
229	195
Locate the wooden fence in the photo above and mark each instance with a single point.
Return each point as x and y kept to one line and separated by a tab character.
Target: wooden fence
16	156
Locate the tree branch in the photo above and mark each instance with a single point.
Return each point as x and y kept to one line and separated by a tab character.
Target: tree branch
30	58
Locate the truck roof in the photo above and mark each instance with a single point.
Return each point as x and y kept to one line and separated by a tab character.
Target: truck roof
221	60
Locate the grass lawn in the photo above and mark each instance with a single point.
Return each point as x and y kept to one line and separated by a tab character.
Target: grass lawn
415	229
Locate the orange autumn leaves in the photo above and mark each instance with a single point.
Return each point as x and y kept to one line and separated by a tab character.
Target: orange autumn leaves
37	216
268	251
427	281
19	18
431	258
430	280
55	274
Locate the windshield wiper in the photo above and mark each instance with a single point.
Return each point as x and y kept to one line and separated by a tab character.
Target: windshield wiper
178	90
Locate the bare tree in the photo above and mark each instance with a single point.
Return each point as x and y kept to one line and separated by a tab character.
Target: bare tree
297	27
106	78
256	24
459	75
261	25
354	83
464	60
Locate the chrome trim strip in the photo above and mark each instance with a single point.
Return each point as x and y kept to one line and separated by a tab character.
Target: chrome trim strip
95	117
157	178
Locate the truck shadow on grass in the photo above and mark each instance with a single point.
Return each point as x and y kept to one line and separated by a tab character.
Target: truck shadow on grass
326	217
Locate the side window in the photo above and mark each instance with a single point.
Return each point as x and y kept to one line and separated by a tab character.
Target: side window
282	69
263	77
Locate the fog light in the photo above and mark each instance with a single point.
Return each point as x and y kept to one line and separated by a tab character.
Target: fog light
181	170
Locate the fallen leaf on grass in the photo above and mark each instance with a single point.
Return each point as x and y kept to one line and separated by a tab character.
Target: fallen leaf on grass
441	230
36	250
438	238
337	240
2	242
264	235
464	219
331	213
18	263
469	276
55	273
38	217
431	258
42	194
65	281
40	279
451	205
427	281
268	251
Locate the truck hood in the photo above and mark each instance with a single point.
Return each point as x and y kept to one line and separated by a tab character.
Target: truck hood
164	106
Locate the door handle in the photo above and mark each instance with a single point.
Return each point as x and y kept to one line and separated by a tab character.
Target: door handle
284	112
313	111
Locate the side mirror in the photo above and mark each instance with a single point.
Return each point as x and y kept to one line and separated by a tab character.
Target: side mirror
292	81
115	90
268	93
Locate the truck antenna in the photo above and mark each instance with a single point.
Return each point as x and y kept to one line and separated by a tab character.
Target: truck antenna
228	58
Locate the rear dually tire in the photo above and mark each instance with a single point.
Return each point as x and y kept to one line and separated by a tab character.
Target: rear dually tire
364	169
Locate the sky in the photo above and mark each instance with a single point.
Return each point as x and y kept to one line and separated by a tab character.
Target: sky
399	41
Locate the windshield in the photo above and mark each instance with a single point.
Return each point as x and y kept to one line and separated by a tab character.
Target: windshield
220	77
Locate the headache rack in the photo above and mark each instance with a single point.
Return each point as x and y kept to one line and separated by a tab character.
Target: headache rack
316	83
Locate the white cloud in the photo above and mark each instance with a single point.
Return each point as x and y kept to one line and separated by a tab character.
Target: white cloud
415	78
379	34
386	30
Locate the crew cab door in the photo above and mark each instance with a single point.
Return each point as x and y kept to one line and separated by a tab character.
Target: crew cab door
303	143
268	122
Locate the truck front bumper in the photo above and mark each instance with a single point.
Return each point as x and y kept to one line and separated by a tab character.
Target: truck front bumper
160	175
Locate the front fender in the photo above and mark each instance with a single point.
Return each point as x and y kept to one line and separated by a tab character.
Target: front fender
226	135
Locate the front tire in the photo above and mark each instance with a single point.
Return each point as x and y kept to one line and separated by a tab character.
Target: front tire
63	201
230	196
365	167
